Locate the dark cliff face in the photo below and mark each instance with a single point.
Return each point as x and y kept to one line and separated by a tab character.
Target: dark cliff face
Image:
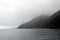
51	22
54	21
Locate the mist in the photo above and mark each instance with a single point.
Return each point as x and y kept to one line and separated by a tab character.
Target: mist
16	12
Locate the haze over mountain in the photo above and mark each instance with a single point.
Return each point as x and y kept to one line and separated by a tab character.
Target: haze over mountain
42	21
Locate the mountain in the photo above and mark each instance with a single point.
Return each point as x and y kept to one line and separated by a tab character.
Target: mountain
51	22
35	23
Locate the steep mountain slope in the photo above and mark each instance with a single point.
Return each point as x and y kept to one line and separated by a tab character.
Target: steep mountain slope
35	23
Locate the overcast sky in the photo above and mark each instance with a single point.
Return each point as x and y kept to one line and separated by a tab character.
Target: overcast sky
16	12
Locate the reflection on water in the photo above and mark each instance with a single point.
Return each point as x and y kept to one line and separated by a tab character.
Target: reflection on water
29	34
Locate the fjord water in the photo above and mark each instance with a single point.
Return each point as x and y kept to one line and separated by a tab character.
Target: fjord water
29	34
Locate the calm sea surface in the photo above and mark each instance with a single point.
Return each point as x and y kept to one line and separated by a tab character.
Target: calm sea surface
29	34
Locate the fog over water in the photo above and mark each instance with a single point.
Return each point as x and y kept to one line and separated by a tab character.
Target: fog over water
16	12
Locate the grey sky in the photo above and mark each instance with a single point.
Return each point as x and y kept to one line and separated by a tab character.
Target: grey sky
16	12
